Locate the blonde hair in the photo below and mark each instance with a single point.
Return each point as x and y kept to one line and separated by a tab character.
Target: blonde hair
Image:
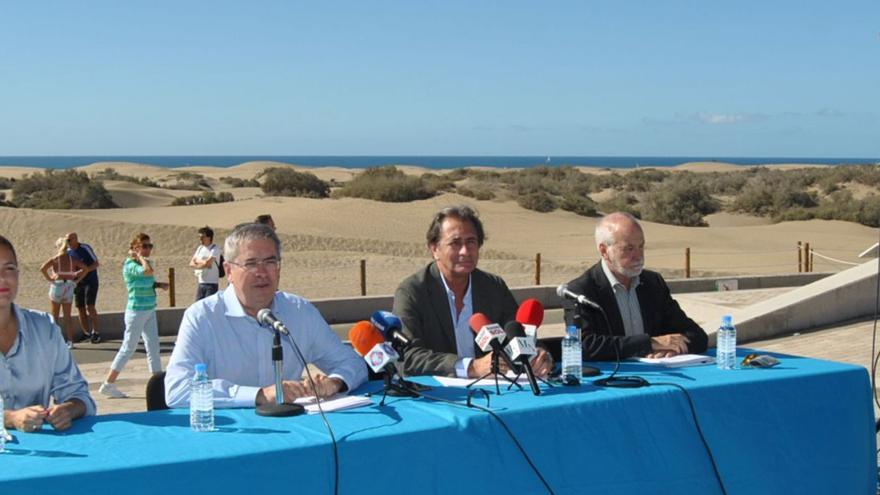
61	245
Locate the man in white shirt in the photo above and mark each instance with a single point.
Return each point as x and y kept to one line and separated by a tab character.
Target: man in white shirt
206	261
222	332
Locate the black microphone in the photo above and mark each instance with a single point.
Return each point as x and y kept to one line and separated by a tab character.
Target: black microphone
266	318
521	349
563	292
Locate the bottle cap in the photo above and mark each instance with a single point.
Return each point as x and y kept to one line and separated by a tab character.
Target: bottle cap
201	368
727	320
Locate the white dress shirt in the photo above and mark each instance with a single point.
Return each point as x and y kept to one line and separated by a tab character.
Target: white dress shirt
238	351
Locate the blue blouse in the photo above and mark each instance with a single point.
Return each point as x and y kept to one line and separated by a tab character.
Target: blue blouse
39	365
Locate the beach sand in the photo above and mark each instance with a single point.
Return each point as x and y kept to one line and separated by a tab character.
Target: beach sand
324	240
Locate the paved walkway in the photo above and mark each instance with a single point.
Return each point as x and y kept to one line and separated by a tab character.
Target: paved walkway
848	342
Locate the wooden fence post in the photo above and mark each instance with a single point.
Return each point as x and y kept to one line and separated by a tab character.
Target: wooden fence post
800	258
171	295
538	269
363	277
808	266
811	261
687	262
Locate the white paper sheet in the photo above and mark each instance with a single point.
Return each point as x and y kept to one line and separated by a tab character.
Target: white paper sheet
678	361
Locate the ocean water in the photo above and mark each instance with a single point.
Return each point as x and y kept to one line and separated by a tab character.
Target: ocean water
433	162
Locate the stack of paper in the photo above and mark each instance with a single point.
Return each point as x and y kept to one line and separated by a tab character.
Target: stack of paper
678	361
335	403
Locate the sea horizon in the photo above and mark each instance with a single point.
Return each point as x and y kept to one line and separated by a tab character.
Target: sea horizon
438	162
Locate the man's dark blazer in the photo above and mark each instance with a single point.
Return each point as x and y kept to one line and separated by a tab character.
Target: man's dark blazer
661	315
421	303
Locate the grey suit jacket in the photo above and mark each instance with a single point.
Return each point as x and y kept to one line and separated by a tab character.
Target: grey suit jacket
421	303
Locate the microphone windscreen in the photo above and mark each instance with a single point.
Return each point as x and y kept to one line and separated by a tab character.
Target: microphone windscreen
386	321
364	336
530	312
514	329
478	321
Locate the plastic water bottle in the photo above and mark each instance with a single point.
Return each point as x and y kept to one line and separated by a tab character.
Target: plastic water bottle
2	425
725	340
572	362
201	401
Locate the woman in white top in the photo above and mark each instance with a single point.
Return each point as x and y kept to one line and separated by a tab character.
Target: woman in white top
62	272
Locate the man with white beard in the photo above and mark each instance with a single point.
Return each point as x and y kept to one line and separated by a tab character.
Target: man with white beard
644	319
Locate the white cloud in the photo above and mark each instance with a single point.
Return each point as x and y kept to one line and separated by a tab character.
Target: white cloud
728	118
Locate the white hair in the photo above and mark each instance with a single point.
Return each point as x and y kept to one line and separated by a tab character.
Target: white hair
605	229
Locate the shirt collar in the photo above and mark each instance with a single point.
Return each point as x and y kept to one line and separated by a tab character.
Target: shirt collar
634	282
451	295
233	306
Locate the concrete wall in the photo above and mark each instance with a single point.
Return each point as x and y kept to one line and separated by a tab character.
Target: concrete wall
349	310
846	295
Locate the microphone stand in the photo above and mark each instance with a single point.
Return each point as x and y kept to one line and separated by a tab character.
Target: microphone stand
520	372
402	387
279	408
495	371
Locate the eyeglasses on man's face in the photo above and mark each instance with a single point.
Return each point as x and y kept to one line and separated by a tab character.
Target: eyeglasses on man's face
251	265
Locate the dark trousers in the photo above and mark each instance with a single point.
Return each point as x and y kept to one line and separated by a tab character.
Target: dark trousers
205	290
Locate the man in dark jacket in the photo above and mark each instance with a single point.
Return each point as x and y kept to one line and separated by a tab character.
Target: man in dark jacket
644	319
437	301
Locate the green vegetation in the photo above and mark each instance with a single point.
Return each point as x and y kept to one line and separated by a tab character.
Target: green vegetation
205	198
680	200
67	189
386	184
480	192
6	182
110	173
539	201
283	181
186	181
436	184
622	201
236	182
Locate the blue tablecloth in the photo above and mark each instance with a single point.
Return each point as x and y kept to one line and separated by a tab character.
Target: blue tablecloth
806	426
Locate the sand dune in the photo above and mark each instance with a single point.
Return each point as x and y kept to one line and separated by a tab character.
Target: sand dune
324	240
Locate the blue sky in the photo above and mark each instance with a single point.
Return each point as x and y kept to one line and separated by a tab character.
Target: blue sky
726	78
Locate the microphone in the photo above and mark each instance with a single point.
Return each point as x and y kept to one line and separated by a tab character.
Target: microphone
563	292
279	408
364	336
521	348
369	343
266	318
530	314
380	356
390	325
490	336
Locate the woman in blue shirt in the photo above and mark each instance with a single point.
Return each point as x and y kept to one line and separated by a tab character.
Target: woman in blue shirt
35	364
